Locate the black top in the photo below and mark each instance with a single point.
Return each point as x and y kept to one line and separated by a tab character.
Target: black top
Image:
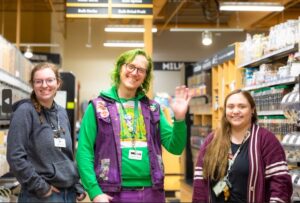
238	176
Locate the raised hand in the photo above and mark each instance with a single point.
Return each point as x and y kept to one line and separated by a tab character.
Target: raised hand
179	104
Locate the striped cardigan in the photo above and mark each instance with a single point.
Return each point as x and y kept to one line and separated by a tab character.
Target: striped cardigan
269	179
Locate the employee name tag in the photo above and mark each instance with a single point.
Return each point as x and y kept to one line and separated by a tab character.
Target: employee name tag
135	154
219	187
59	142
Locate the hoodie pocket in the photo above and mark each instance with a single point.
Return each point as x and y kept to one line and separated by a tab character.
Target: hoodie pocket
65	174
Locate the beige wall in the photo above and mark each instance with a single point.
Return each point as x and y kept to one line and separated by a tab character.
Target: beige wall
92	66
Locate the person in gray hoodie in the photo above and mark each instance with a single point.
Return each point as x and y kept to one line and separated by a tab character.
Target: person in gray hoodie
39	144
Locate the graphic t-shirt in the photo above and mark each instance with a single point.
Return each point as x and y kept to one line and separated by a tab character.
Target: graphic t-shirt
135	157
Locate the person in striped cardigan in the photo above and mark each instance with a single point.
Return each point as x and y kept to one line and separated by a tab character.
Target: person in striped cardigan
241	161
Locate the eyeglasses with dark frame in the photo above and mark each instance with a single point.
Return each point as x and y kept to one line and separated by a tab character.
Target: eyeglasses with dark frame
40	82
131	68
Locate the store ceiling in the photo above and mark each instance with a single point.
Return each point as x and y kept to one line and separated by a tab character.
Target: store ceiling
179	13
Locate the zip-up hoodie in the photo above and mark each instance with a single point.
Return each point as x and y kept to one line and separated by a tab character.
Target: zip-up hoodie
31	153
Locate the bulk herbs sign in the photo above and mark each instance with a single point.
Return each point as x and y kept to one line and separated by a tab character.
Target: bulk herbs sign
109	9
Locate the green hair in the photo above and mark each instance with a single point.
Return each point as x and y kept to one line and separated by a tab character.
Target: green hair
128	57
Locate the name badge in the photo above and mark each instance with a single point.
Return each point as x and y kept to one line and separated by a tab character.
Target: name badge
59	142
135	154
219	187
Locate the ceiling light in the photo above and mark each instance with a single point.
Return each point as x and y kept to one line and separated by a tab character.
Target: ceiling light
124	44
126	28
38	45
89	40
206	29
250	6
28	53
206	38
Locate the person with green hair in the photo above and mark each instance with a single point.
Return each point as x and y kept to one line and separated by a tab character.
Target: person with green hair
119	152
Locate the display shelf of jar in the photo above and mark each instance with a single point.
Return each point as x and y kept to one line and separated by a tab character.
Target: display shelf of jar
272	56
13	81
283	81
270	112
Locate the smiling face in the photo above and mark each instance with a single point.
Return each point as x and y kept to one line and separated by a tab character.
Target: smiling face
238	111
45	85
133	74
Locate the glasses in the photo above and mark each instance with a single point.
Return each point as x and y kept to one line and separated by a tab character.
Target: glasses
131	68
40	82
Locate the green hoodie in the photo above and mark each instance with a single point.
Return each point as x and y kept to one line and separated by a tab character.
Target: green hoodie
134	173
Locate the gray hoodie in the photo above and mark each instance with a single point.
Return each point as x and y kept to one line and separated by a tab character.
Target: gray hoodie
31	153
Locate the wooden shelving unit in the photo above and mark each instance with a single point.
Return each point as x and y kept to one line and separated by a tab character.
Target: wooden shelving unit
226	76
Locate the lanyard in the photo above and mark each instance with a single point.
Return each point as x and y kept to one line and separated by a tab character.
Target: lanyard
231	161
55	130
128	119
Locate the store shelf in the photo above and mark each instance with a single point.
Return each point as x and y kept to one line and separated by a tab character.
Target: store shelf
13	81
270	113
273	83
271	56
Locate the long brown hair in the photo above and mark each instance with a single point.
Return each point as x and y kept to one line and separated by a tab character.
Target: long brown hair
216	155
40	66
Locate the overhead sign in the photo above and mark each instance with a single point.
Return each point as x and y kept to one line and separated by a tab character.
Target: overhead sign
145	2
109	9
88	1
219	58
87	12
171	66
131	12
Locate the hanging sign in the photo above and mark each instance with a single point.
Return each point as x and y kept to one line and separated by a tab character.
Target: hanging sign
109	9
87	12
170	66
219	58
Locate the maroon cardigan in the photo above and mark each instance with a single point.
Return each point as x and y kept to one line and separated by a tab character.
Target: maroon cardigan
269	179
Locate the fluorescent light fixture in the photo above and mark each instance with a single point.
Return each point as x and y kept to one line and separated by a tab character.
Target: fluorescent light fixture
136	44
250	6
206	29
206	38
38	45
126	28
28	53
